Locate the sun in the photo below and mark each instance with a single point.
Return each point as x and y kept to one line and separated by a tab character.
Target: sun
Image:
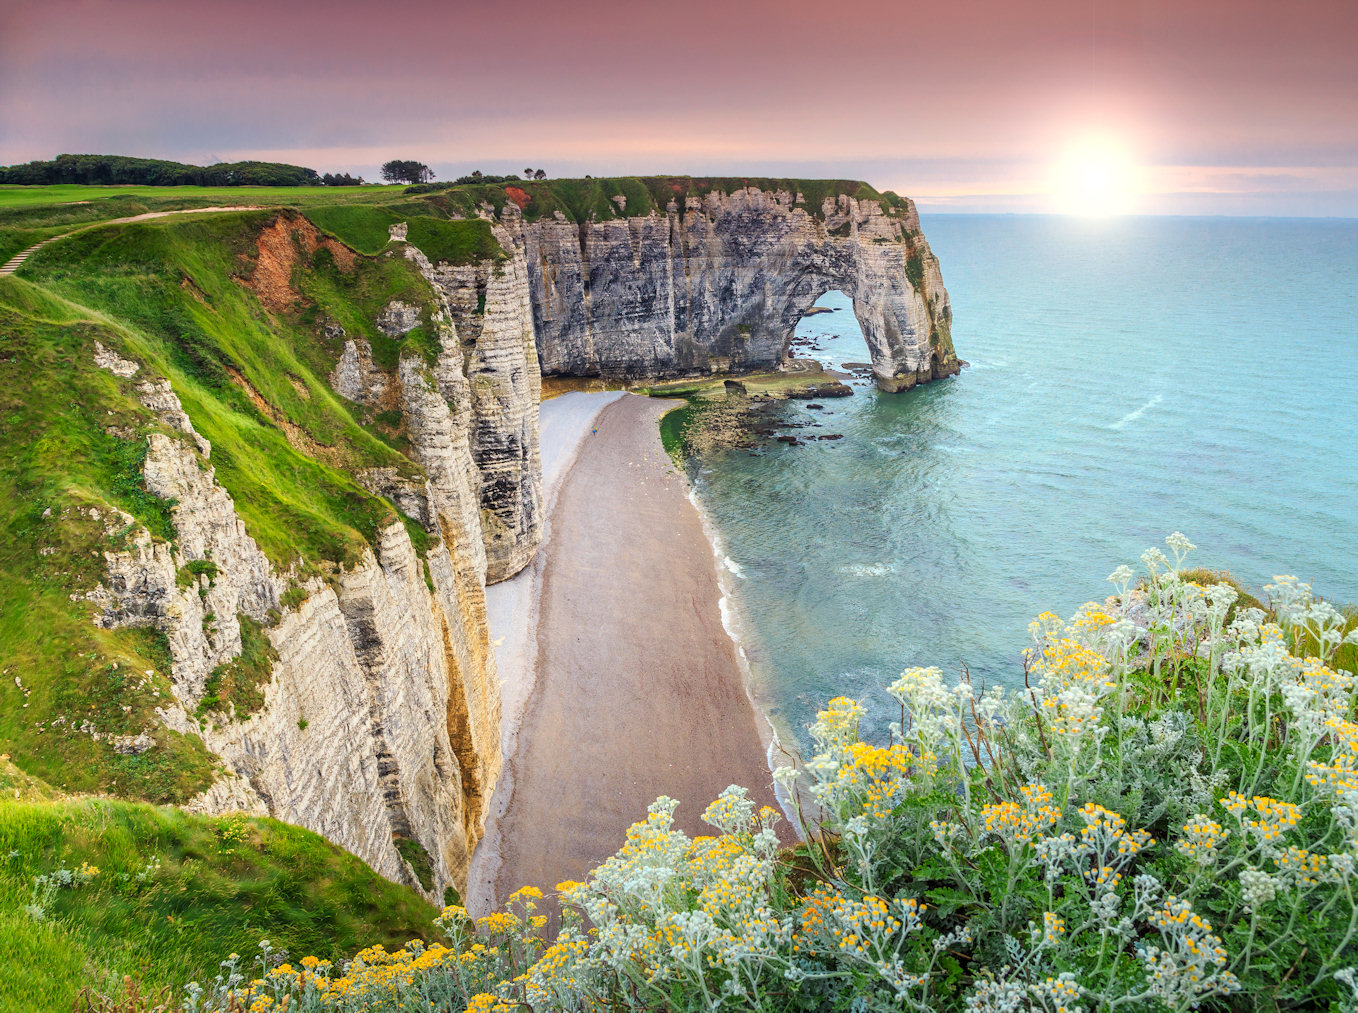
1095	177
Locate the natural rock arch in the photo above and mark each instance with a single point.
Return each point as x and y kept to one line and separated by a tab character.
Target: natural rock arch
892	316
718	284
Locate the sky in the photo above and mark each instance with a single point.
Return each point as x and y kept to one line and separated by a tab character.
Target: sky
1161	106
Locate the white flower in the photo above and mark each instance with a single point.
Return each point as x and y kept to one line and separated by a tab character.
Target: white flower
1257	887
1153	560
1180	546
1121	577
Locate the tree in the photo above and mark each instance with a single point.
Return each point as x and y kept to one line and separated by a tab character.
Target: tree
406	171
540	174
527	173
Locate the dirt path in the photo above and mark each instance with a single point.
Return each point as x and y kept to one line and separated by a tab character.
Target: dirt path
15	262
639	689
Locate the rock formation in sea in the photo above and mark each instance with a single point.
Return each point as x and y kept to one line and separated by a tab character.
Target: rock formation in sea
718	281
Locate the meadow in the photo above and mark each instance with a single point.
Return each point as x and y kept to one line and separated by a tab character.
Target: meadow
94	890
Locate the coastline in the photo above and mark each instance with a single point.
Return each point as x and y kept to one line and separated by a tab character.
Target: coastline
511	615
733	622
629	683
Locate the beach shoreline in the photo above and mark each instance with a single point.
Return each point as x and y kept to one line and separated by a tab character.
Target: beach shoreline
733	622
623	675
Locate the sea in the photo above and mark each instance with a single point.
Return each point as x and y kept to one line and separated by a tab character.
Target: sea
1129	377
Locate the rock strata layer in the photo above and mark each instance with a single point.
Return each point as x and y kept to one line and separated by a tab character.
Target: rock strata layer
718	282
379	726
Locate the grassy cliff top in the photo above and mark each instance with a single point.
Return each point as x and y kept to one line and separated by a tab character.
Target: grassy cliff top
163	895
46	210
593	199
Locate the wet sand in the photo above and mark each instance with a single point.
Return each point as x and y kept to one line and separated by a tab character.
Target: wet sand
638	689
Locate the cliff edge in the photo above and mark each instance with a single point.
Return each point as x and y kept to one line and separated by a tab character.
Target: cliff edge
662	277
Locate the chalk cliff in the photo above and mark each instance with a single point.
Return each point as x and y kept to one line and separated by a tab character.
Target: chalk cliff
491	322
716	281
379	724
367	705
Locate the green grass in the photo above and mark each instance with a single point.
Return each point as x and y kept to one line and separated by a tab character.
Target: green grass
298	502
14	241
455	242
413	852
58	458
673	426
192	570
272	196
221	885
362	226
237	686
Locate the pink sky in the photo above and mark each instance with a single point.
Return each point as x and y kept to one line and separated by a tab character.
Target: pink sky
1244	107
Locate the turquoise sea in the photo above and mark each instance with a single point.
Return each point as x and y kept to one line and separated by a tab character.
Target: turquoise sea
1129	377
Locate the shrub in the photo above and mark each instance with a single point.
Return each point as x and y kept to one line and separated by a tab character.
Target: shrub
1165	817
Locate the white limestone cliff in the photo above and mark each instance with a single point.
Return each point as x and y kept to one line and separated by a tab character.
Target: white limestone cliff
380	719
718	282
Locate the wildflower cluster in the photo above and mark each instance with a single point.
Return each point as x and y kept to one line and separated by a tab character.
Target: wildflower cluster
46	886
1163	816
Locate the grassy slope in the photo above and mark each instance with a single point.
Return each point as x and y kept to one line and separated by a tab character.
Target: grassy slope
174	294
222	884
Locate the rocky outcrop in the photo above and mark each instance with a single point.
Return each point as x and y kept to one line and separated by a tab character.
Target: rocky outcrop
380	716
718	282
489	372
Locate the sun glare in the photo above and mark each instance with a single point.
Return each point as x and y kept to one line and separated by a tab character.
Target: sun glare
1095	178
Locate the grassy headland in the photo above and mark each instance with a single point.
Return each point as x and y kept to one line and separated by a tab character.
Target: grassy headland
173	894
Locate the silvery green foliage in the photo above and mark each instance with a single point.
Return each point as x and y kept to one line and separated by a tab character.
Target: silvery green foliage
1164	817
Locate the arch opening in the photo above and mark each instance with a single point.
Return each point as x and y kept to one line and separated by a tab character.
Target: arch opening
829	332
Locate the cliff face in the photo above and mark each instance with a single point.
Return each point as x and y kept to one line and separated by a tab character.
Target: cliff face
718	281
301	607
497	383
379	720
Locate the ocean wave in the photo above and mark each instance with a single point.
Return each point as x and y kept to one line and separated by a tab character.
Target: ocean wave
733	566
867	569
1133	416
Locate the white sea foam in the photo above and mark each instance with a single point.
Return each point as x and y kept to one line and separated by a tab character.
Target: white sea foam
733	623
1133	416
867	569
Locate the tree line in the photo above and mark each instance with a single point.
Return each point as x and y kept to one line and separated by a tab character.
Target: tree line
124	170
400	170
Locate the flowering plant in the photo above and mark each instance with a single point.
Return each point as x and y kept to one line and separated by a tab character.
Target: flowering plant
1164	817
